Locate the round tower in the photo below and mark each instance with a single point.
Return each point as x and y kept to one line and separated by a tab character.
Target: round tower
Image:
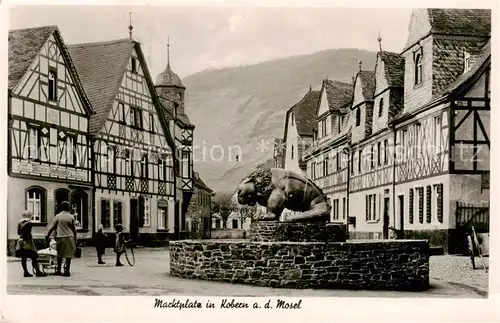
169	85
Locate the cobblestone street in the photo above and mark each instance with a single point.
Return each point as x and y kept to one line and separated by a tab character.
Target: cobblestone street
451	276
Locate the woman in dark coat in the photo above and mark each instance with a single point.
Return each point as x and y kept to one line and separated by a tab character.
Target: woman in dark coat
100	244
25	247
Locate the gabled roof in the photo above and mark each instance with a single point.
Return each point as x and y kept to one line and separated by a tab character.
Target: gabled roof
394	66
304	113
24	46
101	67
458	22
199	182
475	22
338	94
367	83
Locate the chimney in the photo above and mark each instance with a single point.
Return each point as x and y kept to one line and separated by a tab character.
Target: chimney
360	64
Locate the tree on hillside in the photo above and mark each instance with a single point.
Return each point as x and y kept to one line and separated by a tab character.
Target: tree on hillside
223	205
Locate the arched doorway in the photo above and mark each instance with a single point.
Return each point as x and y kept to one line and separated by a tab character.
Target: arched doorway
61	195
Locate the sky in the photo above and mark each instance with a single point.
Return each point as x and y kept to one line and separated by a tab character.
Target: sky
215	37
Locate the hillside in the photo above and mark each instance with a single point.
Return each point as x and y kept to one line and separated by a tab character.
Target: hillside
241	106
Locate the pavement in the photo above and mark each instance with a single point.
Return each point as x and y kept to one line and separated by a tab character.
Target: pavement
450	276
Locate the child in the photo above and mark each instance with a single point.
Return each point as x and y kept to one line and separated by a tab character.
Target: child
119	244
100	244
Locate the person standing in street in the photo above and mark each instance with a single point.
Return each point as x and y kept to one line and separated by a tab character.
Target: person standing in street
25	246
64	226
100	244
119	244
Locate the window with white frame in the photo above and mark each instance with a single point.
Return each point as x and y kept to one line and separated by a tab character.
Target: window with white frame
35	200
117	212
437	134
162	216
33	142
371	207
106	213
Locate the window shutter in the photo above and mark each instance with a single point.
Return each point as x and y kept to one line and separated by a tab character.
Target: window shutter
410	204
43	206
421	205
374	215
171	214
429	204
367	207
440	203
141	211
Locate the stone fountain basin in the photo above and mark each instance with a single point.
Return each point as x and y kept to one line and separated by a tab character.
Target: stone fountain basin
369	264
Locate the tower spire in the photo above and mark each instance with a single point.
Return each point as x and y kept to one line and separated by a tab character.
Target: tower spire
168	51
379	39
130	27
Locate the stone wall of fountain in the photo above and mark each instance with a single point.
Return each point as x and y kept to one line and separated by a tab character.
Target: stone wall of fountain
294	255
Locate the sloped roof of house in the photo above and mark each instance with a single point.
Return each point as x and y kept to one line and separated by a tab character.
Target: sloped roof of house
305	112
484	58
200	183
459	83
24	46
338	94
368	83
101	67
460	21
394	65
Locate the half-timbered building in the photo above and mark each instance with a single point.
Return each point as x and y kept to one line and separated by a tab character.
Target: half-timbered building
49	149
171	93
442	134
132	147
327	161
377	99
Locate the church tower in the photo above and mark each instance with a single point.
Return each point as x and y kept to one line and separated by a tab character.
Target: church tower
169	85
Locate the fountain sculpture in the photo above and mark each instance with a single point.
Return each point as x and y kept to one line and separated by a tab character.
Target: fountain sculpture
304	250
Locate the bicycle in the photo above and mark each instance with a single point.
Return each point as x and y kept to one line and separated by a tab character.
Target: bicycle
129	252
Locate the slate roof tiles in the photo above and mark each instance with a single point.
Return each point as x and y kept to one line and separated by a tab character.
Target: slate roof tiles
394	65
24	46
338	94
460	21
305	113
101	67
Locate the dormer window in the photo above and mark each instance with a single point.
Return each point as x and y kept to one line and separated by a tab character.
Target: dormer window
292	119
358	117
381	107
418	59
134	65
467	62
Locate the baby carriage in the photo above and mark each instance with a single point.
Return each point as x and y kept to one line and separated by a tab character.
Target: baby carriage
47	258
